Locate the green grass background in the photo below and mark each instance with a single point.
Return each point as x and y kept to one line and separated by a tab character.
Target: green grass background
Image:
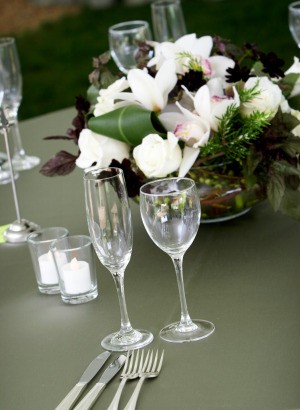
57	58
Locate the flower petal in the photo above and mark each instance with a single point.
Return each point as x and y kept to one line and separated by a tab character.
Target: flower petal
189	157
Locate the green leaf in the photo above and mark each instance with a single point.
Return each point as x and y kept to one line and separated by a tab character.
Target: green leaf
92	94
287	83
283	168
275	191
290	204
292	146
129	124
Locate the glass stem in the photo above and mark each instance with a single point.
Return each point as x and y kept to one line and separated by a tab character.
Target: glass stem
125	323
16	138
185	319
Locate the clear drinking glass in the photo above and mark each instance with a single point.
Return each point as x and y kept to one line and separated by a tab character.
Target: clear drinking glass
170	210
12	87
124	40
39	243
294	21
74	260
109	222
167	20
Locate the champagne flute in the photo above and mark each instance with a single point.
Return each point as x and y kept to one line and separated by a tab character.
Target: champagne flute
109	222
5	176
167	20
124	42
294	21
170	210
12	87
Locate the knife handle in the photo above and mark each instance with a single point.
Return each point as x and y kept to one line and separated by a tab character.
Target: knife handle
71	397
90	398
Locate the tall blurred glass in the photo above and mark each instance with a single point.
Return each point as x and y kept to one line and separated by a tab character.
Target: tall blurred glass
294	21
167	20
11	81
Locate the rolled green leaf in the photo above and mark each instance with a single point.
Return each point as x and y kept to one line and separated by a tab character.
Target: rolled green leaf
129	124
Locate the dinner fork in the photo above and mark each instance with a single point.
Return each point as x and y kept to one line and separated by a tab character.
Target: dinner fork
150	370
131	370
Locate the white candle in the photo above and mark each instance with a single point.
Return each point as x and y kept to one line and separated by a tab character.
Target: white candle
48	269
76	276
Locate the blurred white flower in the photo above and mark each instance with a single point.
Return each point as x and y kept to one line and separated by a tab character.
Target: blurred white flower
268	99
98	150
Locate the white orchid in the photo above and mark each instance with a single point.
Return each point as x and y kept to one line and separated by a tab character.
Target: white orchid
107	97
200	48
151	93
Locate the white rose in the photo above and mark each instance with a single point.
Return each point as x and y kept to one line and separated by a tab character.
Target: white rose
96	148
268	100
158	157
295	69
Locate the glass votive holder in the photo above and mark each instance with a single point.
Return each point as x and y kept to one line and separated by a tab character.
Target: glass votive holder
74	258
43	263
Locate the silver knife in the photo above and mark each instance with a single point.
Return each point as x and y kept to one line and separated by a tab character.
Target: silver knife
88	401
90	372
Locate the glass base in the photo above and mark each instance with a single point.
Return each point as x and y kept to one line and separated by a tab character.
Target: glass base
49	289
23	162
5	177
176	333
81	298
119	342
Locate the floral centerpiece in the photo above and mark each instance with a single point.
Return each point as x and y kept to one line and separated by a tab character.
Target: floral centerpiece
191	105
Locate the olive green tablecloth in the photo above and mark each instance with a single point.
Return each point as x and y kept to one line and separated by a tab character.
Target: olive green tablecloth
243	275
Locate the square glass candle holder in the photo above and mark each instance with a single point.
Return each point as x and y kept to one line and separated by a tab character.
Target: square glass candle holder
43	263
74	258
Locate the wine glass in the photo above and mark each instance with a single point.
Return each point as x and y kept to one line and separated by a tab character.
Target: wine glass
170	210
167	20
294	21
12	87
124	41
109	222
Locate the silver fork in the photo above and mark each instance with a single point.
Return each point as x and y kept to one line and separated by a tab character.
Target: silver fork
150	370
131	370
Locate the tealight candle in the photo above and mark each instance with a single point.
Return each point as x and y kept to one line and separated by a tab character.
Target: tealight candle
47	269
76	276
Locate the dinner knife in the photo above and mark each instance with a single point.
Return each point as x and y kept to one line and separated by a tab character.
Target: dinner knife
90	398
90	372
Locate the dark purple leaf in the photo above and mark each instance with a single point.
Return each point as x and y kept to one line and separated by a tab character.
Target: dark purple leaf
63	163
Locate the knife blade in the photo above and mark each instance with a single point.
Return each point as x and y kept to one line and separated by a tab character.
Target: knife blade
90	372
88	401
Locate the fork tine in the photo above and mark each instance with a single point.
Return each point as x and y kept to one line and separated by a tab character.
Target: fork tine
155	362
126	363
150	362
132	361
161	361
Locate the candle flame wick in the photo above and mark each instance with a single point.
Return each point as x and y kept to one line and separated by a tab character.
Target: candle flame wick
74	265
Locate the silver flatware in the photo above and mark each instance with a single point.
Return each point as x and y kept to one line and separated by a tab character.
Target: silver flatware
90	372
90	398
150	369
131	370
